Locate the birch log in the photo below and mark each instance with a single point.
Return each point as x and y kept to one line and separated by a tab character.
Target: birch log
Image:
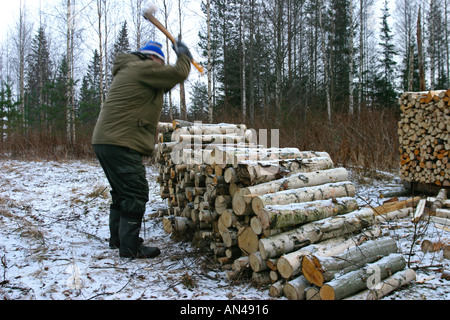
224	156
306	194
424	137
276	289
256	172
247	240
296	288
297	180
391	283
361	279
318	270
290	264
440	199
314	232
282	216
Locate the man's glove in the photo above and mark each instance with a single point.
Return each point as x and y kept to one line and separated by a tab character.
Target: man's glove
181	48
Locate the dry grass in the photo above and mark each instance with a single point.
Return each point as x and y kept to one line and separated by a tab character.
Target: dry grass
367	140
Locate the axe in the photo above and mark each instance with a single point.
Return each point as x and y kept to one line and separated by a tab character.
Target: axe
149	15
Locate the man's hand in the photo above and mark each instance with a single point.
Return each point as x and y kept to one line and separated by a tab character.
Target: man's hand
181	48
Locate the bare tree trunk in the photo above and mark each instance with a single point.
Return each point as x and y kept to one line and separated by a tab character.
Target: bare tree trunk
361	53
21	47
100	43
350	59
447	46
166	22
182	91
326	65
70	107
136	10
419	47
411	69
432	44
243	61
210	104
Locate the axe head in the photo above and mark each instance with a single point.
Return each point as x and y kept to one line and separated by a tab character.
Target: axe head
149	13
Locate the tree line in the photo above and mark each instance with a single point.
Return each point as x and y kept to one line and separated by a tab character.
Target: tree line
285	57
266	61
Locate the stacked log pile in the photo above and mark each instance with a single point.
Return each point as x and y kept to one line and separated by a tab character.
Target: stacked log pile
436	210
287	219
424	136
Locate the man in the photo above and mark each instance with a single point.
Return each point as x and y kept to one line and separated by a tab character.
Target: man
125	131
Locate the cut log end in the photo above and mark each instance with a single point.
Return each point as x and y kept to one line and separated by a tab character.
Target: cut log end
311	270
284	268
264	219
326	292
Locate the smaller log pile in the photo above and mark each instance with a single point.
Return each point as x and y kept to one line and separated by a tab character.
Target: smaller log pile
437	211
286	218
424	136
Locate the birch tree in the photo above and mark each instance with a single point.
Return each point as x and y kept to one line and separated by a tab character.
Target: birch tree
70	106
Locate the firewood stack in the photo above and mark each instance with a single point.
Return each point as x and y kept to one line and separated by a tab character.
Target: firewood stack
283	217
424	136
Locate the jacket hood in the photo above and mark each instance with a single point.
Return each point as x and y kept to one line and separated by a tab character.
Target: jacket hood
122	60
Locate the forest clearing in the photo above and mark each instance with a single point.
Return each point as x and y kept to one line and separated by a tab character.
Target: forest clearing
302	155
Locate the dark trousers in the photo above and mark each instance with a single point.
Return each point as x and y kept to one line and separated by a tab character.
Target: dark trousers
126	175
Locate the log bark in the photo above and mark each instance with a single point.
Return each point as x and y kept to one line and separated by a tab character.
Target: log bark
230	238
282	216
318	270
290	264
391	283
224	156
256	172
276	290
183	225
307	194
297	180
296	288
396	205
314	232
440	199
428	245
361	279
443	213
418	213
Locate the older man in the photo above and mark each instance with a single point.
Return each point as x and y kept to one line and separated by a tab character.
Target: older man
125	131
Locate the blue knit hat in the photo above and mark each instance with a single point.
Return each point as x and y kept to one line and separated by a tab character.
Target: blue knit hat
153	48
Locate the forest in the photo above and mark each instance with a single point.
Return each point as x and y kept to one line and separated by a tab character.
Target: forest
327	73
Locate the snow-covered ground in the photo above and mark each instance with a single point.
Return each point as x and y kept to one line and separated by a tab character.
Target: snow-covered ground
54	230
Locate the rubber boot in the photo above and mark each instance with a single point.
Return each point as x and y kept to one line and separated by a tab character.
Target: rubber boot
130	245
114	222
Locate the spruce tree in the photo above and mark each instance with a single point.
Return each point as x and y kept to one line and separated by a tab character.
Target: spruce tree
39	76
384	82
122	45
90	100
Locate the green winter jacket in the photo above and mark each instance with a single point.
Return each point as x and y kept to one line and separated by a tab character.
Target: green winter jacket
130	115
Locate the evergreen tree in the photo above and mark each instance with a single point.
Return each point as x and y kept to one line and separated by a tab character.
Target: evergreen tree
90	100
339	33
199	105
9	115
384	83
39	77
122	45
59	89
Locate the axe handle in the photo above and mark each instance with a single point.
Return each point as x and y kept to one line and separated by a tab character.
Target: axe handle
159	25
